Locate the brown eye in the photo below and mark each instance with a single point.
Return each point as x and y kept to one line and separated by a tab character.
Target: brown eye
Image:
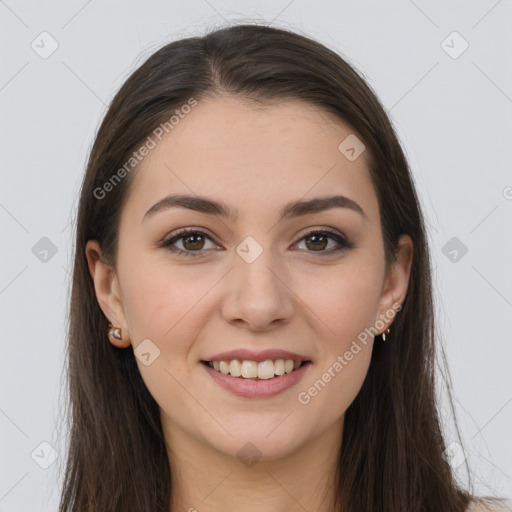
192	240
318	241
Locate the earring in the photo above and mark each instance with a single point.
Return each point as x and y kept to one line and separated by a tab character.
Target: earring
115	332
384	334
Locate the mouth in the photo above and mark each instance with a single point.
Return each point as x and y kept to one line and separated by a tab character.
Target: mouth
255	371
257	380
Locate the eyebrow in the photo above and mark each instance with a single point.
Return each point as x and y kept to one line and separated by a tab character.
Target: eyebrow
213	207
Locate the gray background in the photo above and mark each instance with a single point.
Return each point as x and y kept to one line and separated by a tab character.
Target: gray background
453	113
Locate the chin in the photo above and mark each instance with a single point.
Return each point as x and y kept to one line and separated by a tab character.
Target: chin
250	450
259	440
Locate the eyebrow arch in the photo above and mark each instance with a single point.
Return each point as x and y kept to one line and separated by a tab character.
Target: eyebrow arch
212	207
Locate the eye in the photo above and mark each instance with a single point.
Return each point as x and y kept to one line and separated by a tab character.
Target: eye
318	240
193	241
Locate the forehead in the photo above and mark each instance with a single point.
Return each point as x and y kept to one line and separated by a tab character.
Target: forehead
254	159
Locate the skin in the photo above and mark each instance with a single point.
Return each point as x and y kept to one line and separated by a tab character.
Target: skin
291	297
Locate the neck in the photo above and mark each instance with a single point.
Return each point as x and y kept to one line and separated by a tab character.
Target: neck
207	480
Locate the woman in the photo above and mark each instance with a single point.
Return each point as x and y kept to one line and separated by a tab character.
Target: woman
251	321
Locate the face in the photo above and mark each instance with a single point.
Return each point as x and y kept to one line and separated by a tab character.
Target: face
311	283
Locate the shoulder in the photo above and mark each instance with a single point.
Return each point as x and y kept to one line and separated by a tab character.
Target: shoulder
480	506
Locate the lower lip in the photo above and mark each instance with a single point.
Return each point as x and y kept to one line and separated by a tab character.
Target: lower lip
249	388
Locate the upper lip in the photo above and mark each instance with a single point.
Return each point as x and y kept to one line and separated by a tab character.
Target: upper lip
252	355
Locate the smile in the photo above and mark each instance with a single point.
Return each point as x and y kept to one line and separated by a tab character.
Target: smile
263	370
276	376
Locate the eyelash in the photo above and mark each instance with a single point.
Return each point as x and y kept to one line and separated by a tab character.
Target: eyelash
183	233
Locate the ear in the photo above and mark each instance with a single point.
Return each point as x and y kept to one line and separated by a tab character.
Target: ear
108	292
397	281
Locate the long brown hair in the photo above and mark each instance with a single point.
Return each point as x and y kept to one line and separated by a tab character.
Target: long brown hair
392	458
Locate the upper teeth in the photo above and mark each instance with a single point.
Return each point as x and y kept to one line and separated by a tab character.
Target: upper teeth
251	369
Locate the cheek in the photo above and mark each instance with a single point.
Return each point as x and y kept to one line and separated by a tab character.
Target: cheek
163	306
166	304
155	296
336	383
344	303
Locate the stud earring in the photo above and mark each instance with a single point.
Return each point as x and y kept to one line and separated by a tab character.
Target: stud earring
115	332
384	334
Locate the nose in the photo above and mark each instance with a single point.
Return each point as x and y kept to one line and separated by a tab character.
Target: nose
258	296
